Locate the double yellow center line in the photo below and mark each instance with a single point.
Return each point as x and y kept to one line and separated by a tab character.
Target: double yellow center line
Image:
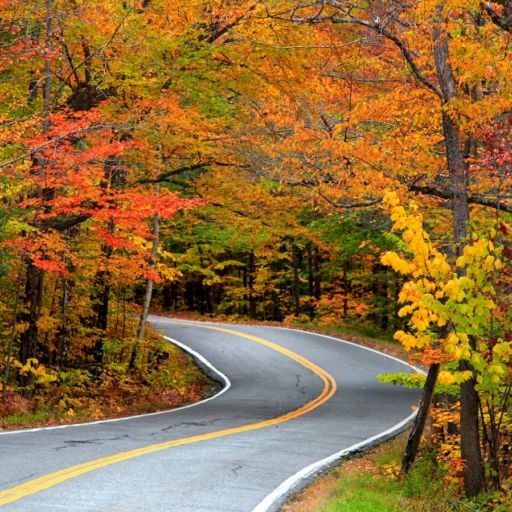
47	481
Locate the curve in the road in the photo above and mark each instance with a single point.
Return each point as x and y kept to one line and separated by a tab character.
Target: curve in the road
295	482
215	373
52	479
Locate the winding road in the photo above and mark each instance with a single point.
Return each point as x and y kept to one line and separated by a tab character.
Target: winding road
292	403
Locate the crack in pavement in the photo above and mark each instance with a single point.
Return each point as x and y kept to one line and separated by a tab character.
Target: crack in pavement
187	424
299	385
18	479
73	443
235	469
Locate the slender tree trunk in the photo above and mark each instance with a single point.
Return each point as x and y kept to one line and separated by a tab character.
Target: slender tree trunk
63	333
47	89
103	284
123	330
413	442
244	284
346	289
295	281
317	274
252	271
396	302
384	322
311	280
30	338
11	339
114	179
35	276
149	291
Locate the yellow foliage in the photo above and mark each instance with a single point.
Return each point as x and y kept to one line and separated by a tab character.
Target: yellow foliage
39	371
460	296
446	378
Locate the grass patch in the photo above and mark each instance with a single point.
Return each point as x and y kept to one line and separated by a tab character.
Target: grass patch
371	483
376	487
361	493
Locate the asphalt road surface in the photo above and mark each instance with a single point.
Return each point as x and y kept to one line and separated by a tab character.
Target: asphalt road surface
290	399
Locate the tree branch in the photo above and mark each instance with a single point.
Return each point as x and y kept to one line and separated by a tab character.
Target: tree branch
503	20
175	172
65	222
345	206
35	150
377	26
226	28
479	199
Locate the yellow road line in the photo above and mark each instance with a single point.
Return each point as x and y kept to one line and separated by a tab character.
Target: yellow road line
46	481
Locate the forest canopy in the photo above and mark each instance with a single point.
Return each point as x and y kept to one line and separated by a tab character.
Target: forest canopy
319	162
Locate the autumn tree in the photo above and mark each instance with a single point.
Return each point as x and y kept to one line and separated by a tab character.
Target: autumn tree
447	66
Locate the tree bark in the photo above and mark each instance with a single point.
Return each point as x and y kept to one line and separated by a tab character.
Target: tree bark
251	277
413	442
317	275
11	339
149	291
474	476
34	275
114	179
30	338
295	279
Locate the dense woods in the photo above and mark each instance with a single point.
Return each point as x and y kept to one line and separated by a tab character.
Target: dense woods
324	162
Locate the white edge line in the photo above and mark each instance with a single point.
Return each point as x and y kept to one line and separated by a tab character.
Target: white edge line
186	348
178	321
286	489
415	368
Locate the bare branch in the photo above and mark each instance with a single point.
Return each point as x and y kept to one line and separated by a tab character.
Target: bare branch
175	172
344	206
379	28
297	46
479	199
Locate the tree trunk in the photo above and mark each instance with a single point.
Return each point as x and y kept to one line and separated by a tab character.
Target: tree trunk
35	276
311	281
30	338
11	338
114	178
317	275
295	279
149	291
474	476
346	289
252	271
63	331
413	442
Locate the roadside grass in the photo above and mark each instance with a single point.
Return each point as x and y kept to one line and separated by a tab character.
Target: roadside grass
361	494
371	483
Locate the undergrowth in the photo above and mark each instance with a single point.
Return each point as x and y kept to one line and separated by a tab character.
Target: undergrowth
372	483
164	378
